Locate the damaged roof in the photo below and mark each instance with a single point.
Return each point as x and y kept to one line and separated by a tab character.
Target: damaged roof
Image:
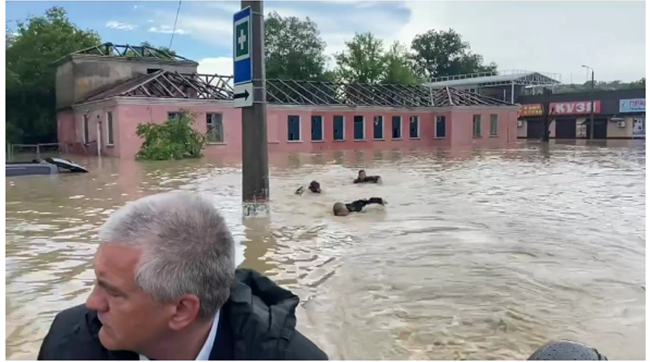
174	85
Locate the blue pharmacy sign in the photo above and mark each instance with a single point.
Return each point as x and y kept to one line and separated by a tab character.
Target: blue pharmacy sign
242	47
636	105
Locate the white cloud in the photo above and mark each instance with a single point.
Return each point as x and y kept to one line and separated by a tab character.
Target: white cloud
120	25
165	29
510	34
502	32
221	66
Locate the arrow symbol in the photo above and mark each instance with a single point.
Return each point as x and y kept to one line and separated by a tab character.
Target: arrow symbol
242	95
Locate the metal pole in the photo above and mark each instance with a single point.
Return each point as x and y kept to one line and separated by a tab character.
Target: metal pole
255	156
591	120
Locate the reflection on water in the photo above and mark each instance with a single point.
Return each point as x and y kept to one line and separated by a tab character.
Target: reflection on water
480	254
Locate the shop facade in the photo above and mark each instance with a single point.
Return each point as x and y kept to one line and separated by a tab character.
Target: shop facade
618	114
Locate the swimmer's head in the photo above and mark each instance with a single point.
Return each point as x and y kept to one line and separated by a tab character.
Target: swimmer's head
340	209
362	175
314	187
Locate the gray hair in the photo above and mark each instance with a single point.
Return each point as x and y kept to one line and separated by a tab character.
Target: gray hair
187	248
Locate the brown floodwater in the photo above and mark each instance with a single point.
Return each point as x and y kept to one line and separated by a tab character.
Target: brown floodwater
480	253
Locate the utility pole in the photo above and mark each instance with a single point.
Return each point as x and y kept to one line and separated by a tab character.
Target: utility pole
250	96
546	114
591	96
591	118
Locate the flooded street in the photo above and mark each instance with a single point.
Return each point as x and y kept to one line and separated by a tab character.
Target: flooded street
480	254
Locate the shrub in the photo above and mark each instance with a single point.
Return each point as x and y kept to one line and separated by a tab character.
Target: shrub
174	139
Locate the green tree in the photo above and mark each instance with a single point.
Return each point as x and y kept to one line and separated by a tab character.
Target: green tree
443	53
173	139
364	61
35	45
294	49
399	67
131	53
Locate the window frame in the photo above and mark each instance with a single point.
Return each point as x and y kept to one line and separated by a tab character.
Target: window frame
110	130
401	128
289	117
442	119
363	128
322	128
383	128
475	118
208	129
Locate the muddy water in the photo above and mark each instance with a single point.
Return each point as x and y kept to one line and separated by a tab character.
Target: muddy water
480	254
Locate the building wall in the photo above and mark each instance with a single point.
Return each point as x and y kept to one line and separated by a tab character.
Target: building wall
128	113
463	127
81	76
613	130
609	100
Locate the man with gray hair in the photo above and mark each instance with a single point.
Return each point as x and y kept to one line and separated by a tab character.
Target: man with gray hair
167	288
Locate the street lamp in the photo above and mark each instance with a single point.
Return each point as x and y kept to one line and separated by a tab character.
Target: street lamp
591	95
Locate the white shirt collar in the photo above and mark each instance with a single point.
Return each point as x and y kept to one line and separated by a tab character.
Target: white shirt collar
204	354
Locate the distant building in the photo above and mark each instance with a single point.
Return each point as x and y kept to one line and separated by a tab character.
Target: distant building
104	92
618	114
504	85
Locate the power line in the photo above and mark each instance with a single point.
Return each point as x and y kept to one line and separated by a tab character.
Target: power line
175	22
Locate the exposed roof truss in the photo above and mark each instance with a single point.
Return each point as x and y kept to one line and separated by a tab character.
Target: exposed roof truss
164	84
129	51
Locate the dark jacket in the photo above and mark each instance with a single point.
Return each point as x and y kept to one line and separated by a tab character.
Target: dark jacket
258	322
368	179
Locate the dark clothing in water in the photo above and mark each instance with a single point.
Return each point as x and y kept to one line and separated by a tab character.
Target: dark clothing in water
357	206
368	179
258	322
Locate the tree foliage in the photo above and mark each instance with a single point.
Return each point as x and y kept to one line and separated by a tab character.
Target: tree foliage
367	61
439	53
34	45
131	53
173	139
294	49
600	86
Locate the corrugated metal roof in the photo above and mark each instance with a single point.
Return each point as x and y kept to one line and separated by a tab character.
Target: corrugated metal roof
489	79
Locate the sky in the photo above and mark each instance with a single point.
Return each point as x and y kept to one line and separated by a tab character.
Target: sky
547	37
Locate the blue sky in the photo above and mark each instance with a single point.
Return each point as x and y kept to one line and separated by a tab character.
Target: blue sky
512	34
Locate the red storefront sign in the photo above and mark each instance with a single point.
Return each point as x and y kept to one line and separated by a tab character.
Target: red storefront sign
559	108
570	108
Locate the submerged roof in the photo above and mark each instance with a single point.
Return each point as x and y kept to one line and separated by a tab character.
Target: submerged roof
495	78
166	84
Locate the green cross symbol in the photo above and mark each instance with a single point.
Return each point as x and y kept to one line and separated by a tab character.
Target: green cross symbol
242	39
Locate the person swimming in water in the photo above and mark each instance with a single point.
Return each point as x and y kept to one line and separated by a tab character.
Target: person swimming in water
341	209
314	187
362	178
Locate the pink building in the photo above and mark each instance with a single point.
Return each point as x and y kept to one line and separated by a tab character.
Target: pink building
103	93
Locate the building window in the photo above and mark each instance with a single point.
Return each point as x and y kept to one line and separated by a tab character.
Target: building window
414	127
339	128
494	125
441	130
109	128
316	128
396	127
173	116
86	129
378	128
293	128
214	123
359	128
476	125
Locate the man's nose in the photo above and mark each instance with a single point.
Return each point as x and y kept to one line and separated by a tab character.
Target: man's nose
96	301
